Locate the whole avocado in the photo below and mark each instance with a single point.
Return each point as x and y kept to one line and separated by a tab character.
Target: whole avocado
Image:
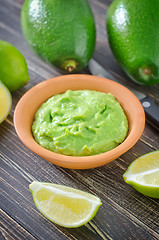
62	32
133	34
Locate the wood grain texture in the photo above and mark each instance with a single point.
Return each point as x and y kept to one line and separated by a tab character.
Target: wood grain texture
10	229
125	213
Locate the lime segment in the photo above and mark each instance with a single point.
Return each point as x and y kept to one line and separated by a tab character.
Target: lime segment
65	206
143	174
5	102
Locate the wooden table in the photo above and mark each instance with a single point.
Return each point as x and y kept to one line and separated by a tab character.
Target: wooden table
125	213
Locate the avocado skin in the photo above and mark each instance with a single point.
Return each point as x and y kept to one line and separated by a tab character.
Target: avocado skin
133	34
60	31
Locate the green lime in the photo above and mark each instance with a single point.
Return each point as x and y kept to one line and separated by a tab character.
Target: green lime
143	174
65	206
5	102
13	67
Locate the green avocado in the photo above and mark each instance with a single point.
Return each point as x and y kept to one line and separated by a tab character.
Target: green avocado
133	34
62	32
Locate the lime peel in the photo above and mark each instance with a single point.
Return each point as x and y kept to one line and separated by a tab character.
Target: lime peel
143	174
65	206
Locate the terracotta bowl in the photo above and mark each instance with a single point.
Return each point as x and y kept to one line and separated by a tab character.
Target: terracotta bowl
32	100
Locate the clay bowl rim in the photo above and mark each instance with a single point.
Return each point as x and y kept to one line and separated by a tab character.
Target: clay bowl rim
33	98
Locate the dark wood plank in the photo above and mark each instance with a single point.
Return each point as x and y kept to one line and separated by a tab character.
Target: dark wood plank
10	229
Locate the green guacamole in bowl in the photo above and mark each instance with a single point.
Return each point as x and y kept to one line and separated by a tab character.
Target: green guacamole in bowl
80	123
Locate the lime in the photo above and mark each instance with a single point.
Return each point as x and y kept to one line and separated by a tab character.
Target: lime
13	67
65	206
5	102
143	174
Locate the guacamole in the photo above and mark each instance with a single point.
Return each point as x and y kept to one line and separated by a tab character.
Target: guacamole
80	123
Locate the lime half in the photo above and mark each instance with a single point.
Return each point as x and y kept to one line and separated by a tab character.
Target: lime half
5	102
143	174
65	206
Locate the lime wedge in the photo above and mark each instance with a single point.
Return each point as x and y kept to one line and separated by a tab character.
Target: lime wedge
65	206
143	174
5	102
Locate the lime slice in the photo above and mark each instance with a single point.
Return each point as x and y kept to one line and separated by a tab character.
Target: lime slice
143	174
65	206
5	102
13	67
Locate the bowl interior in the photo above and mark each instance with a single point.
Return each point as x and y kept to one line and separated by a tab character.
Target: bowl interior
32	100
